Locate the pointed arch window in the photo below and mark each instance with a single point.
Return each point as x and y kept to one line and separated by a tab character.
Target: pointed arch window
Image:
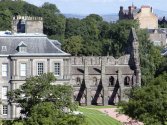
95	81
111	81
78	81
127	81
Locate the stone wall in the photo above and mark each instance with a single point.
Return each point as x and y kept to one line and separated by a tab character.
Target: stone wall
29	24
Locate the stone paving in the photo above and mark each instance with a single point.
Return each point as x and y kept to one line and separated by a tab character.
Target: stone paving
125	120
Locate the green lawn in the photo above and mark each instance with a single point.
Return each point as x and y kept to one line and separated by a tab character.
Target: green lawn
94	117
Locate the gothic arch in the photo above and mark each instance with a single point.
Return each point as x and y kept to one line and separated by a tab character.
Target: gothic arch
78	81
111	81
95	81
127	81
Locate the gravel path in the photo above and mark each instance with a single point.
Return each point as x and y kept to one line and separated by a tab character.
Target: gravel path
112	112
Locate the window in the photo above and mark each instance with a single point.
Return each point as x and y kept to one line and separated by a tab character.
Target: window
57	69
127	81
78	81
95	81
111	81
4	92
23	69
22	49
4	69
5	110
40	68
3	48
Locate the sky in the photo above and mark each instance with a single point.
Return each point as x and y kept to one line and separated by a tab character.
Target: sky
99	6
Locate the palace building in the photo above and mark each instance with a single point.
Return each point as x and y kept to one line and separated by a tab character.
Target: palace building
96	80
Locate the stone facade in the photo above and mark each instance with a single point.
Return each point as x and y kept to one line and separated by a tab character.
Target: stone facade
96	80
158	37
105	80
145	16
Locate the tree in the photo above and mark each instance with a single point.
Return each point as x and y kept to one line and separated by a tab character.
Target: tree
73	27
43	103
150	57
54	22
73	45
149	103
119	34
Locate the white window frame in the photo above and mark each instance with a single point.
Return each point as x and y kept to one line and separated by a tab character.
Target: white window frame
23	69
22	49
57	69
40	69
3	48
4	69
4	92
4	109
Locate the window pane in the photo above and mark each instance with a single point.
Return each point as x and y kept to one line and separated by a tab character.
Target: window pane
23	69
57	68
5	109
40	68
4	92
4	69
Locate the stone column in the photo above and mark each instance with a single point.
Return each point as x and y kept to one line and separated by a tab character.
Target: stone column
86	78
13	111
48	65
16	73
121	84
13	67
65	69
31	67
104	81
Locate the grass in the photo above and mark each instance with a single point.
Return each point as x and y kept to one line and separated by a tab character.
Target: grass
94	117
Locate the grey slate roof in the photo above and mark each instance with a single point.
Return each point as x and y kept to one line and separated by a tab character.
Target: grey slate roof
36	44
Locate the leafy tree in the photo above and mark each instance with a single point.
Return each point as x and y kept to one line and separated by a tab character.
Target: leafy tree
54	22
43	103
119	34
73	45
73	27
5	20
149	103
150	57
50	7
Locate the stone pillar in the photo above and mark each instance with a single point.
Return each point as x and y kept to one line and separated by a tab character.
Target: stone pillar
104	81
31	67
13	111
48	65
86	78
13	67
138	78
16	69
65	69
121	84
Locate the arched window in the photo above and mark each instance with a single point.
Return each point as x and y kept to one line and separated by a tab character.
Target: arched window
78	81
111	81
95	81
127	81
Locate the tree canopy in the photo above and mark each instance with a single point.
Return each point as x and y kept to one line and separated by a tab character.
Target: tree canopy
45	104
149	103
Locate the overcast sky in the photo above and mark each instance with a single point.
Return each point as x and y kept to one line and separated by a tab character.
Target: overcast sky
99	6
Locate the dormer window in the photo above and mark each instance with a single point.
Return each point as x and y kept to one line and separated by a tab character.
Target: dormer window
3	48
22	47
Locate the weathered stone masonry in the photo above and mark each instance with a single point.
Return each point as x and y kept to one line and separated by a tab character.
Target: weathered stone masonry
105	80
